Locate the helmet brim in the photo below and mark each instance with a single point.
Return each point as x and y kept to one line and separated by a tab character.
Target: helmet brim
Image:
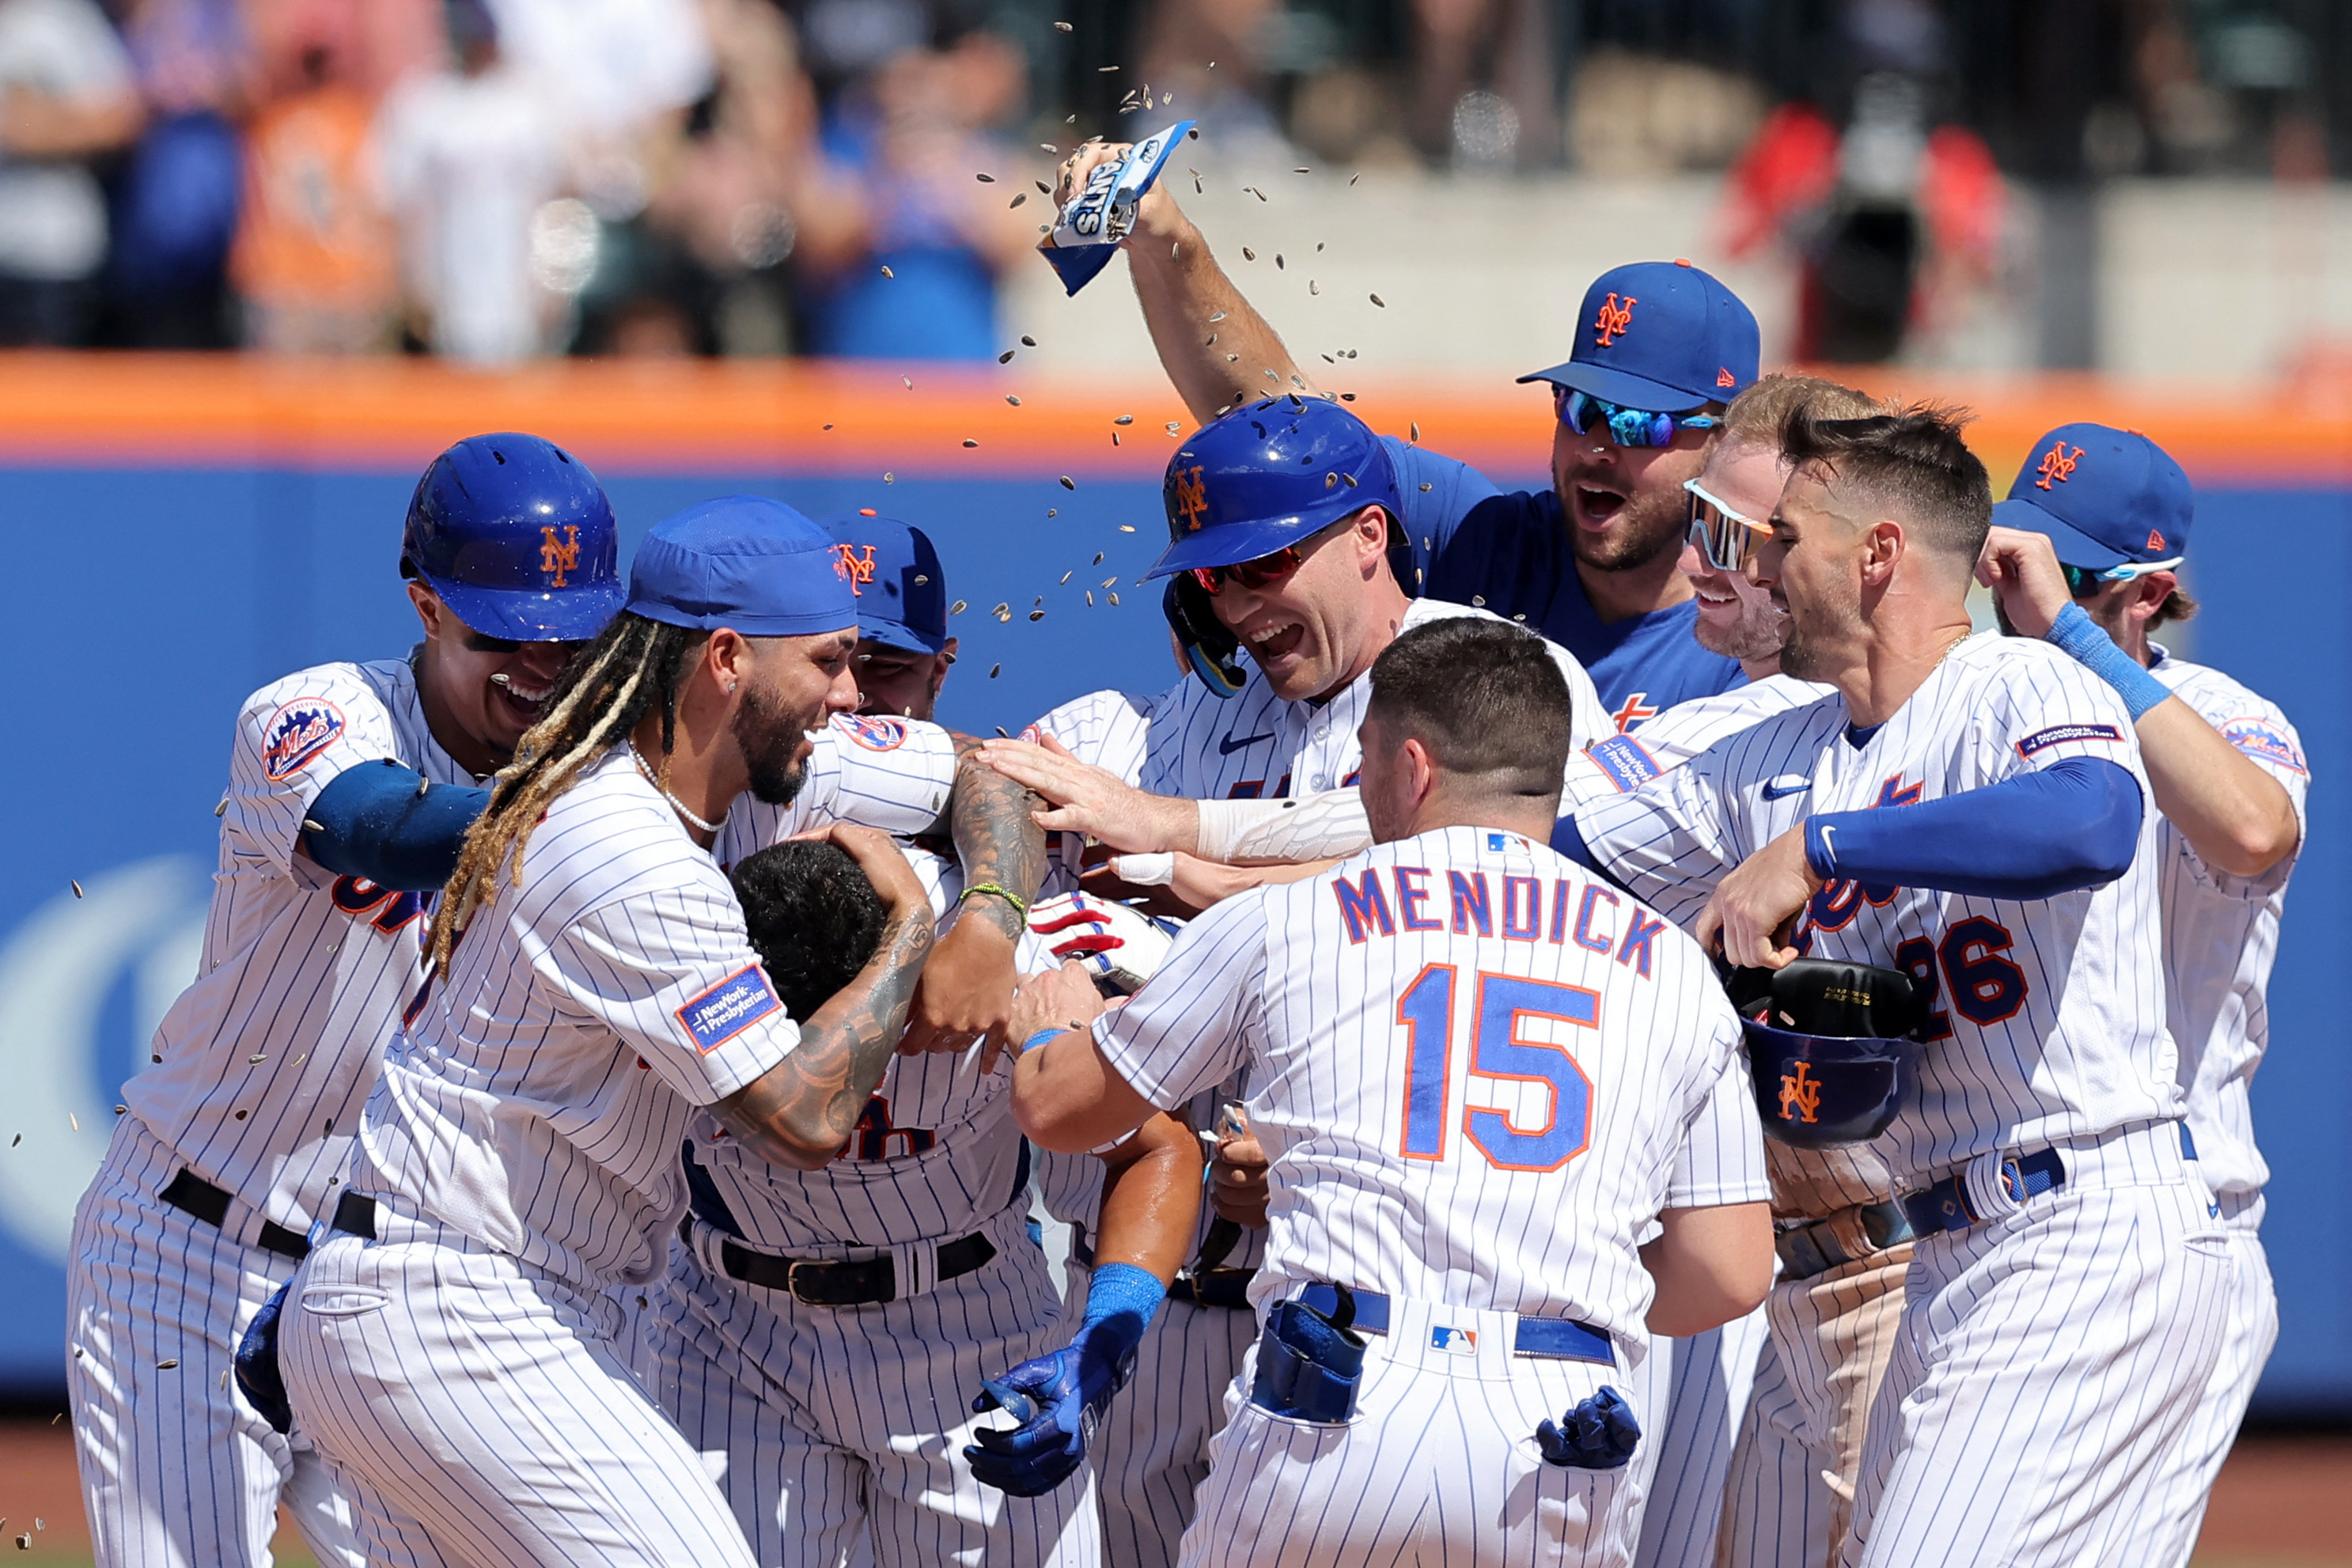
1235	543
532	615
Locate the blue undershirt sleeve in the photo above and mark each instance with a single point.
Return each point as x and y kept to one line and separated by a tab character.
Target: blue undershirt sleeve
2073	825
381	821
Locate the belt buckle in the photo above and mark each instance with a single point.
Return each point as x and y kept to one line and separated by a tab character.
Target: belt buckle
849	1295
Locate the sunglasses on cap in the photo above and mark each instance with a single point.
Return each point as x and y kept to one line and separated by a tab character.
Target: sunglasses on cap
1580	411
2085	581
1723	538
1266	569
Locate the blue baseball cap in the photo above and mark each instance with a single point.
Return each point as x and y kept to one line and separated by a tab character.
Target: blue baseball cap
1268	475
745	563
1660	335
516	537
2102	497
895	576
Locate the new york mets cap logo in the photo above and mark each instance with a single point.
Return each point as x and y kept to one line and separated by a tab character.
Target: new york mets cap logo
1192	497
858	569
295	734
1614	321
557	556
728	1008
1800	1095
2057	464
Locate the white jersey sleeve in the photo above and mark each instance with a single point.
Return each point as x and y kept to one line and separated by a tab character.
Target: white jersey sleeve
292	739
1722	1157
895	775
1189	1028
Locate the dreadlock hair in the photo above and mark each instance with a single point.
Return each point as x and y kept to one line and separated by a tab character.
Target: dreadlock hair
634	666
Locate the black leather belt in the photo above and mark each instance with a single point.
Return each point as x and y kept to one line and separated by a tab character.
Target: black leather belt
839	1282
192	1195
1815	1249
355	1216
1217	1288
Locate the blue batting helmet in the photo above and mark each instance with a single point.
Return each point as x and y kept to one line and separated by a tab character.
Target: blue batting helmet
1268	475
515	535
1831	1047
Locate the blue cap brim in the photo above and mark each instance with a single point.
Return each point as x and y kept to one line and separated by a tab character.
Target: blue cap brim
1618	387
532	615
2074	547
1232	543
899	635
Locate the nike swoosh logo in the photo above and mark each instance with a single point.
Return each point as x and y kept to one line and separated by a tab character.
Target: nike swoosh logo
1786	785
1227	748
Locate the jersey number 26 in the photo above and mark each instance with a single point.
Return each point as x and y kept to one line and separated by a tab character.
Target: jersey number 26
1497	1051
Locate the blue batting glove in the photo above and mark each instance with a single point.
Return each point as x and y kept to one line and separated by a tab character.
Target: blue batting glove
1598	1434
1068	1390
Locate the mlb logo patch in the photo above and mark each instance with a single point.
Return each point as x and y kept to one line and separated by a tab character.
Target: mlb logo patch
1454	1341
2261	740
876	735
2061	734
295	734
728	1008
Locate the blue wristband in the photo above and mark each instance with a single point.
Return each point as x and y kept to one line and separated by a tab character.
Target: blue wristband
1118	1287
2081	638
1039	1039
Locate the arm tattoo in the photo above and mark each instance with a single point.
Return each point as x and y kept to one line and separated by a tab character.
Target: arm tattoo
799	1110
995	836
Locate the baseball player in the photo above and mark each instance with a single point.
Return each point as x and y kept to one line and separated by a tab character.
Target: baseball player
450	1346
820	1331
2083	554
904	650
1969	810
1491	1254
1661	348
350	786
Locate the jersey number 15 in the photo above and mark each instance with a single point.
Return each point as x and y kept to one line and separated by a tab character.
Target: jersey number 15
1497	1051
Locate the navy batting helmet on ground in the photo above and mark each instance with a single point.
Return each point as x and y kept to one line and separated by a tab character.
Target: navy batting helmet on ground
1831	1047
1267	476
515	535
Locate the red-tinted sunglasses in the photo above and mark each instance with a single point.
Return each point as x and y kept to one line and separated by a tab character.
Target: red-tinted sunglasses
1265	570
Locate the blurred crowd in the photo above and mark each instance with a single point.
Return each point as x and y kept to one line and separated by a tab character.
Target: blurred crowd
498	179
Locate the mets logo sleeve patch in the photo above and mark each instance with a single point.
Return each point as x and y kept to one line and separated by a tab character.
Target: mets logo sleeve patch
297	734
2265	743
730	1007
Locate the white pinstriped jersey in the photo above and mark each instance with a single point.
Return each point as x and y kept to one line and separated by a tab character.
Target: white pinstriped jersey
1255	745
895	775
935	1156
2221	935
2048	1018
1471	1066
538	1095
268	1056
1615	763
1109	730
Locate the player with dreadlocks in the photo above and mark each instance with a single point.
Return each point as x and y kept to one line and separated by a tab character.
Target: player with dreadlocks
451	1347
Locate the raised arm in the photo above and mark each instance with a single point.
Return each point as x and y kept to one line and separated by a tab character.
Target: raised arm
1213	343
799	1112
967	989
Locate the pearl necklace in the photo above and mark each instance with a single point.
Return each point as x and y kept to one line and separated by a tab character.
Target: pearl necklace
676	805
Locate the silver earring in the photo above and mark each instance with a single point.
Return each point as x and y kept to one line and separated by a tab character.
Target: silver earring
730	688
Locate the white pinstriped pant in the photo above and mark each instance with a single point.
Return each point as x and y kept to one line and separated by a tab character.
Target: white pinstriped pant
1438	1468
2252	1332
177	1471
2050	1359
1151	1453
1791	1493
1693	1394
480	1413
833	1428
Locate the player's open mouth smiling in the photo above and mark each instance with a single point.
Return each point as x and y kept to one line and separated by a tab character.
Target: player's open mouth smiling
1595	505
1278	641
525	702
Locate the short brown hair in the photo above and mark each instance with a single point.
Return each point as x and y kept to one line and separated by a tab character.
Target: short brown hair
2177	606
1757	413
1910	461
1484	696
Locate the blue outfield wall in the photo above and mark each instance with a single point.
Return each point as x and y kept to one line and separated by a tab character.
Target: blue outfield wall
162	597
